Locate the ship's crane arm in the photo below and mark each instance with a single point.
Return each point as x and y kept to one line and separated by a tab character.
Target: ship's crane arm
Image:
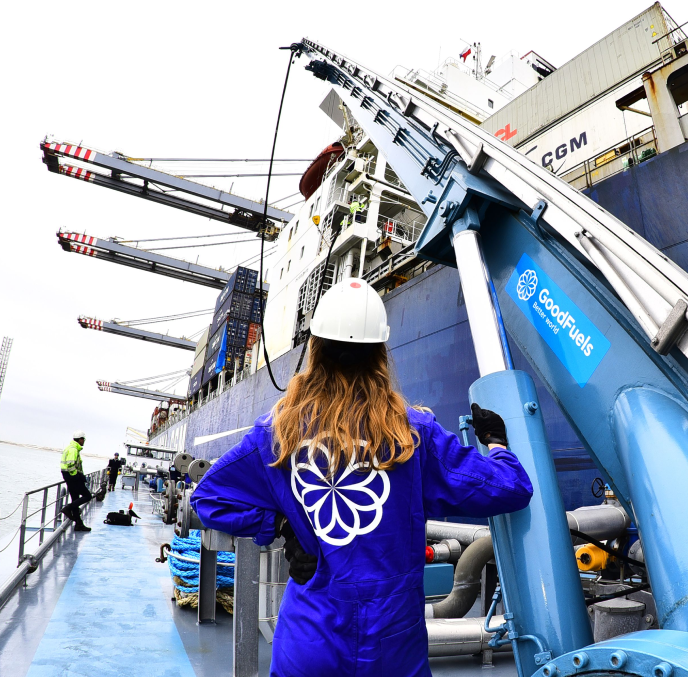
119	173
133	332
599	314
111	250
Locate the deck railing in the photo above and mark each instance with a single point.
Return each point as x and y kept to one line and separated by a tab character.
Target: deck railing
50	521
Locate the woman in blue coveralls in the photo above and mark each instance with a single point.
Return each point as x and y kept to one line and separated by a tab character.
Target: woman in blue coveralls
356	473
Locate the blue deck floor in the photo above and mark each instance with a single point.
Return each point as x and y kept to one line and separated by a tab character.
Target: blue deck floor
99	605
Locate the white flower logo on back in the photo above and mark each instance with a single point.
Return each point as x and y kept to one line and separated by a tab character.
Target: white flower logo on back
341	507
527	284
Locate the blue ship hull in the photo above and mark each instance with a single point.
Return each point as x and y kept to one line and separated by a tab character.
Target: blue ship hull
430	338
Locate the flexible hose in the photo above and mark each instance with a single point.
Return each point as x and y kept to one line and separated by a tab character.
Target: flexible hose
292	50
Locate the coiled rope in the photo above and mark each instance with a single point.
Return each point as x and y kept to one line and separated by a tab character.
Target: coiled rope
183	561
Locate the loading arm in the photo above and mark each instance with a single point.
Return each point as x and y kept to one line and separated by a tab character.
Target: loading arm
132	332
111	250
119	173
599	314
123	389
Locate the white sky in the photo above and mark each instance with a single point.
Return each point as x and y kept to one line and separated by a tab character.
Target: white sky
173	79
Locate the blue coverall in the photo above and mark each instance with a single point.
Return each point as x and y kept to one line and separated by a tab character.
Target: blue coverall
363	612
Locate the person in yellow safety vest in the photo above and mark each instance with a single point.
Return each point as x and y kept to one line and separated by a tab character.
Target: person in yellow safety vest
73	475
355	208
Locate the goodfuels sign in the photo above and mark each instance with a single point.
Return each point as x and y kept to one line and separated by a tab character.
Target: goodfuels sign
575	340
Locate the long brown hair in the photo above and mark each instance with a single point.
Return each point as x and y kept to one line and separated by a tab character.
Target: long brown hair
340	405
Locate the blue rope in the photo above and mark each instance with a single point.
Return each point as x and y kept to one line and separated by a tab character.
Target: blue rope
188	572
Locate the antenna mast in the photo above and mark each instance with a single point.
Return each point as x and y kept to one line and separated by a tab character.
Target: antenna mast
4	359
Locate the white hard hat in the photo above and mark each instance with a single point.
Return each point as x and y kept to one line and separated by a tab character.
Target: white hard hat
351	311
78	434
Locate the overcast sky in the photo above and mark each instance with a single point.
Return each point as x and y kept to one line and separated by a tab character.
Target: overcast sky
162	79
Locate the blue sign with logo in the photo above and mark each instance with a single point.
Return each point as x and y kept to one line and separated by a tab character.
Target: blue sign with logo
575	340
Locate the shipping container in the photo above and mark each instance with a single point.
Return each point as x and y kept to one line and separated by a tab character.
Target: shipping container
623	54
210	369
202	343
195	383
237	333
216	340
237	305
242	280
251	281
198	363
253	334
256	309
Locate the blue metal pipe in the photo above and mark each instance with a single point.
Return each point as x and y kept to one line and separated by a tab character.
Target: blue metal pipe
537	569
651	430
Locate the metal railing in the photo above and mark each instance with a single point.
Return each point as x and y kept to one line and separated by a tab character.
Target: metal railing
627	153
399	231
49	521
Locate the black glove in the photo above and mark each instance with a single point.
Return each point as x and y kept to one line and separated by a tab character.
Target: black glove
489	427
302	566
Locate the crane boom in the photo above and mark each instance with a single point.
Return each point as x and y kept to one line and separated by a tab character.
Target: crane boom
123	389
599	314
110	250
132	332
151	184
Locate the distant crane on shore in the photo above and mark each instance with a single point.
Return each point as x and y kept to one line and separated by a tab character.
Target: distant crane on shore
4	359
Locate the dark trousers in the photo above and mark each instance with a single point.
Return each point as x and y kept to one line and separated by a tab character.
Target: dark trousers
112	479
78	492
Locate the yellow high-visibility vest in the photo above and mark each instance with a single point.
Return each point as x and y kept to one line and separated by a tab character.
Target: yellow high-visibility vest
71	458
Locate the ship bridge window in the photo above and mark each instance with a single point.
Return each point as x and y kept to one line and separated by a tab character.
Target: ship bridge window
302	249
490	103
288	265
291	232
281	273
296	228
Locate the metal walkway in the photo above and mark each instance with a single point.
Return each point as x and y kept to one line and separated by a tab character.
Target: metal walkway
99	604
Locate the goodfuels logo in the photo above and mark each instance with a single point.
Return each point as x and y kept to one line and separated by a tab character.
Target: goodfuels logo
575	340
564	319
527	284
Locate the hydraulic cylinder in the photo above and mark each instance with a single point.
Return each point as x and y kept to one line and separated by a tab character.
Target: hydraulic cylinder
537	568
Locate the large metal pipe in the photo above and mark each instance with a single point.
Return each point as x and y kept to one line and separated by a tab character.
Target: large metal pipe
537	568
466	586
458	636
602	522
651	431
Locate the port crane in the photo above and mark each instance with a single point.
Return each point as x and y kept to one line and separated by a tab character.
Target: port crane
599	314
135	333
110	250
121	173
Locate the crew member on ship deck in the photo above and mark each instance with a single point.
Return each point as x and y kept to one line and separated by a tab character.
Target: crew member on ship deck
356	472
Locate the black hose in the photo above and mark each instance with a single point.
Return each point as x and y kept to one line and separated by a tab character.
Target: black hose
293	49
619	593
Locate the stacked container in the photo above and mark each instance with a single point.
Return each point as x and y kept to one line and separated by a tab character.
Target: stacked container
234	311
196	379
